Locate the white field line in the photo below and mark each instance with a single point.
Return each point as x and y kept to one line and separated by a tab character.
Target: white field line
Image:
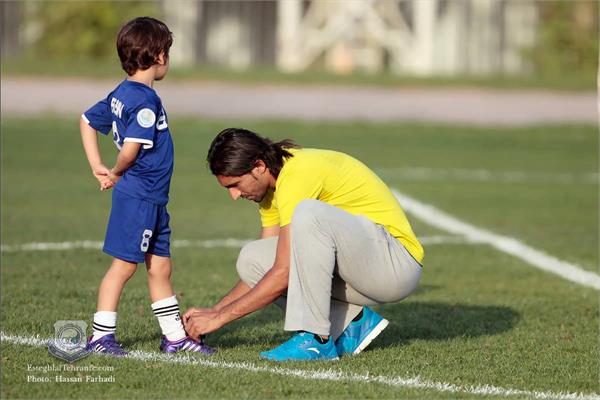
509	245
326	375
95	245
483	175
203	244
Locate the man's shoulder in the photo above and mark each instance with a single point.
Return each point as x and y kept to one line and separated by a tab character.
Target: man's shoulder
311	158
307	163
306	154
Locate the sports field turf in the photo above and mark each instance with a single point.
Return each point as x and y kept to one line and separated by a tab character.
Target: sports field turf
483	323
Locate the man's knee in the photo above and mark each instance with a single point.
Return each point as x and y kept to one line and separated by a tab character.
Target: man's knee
247	264
307	213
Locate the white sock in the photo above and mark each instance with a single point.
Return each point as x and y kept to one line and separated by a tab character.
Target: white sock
167	312
105	323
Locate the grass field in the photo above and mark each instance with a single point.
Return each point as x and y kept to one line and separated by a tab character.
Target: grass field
482	323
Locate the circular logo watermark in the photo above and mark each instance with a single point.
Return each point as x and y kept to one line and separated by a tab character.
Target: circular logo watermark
70	342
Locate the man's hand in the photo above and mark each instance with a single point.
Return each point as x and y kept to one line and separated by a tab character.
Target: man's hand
201	321
192	310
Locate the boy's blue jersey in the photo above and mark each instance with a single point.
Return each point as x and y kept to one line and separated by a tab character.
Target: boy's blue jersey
134	113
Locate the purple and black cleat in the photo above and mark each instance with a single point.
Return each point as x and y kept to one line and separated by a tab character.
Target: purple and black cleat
185	344
107	344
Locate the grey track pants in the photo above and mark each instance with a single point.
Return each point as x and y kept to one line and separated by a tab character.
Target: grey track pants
339	263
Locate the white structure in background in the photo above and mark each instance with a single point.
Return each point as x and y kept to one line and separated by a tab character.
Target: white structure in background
421	37
412	37
182	18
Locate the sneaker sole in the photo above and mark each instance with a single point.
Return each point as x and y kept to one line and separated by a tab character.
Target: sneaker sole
372	335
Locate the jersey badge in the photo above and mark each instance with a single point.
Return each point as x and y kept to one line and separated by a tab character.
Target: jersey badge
146	117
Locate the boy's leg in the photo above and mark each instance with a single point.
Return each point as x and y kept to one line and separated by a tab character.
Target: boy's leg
109	293
158	265
159	277
166	308
124	234
113	283
164	302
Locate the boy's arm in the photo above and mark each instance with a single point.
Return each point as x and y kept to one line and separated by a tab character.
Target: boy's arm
89	138
125	159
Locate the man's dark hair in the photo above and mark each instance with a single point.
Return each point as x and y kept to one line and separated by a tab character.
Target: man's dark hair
235	152
140	42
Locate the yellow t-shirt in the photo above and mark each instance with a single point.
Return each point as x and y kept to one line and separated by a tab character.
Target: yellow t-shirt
339	180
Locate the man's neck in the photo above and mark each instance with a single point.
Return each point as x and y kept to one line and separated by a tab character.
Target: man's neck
272	181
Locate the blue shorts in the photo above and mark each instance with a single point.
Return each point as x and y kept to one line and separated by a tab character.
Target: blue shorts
136	227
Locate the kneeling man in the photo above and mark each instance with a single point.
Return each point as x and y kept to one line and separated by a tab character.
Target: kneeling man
334	241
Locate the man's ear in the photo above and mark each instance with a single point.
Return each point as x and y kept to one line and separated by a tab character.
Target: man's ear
161	60
260	167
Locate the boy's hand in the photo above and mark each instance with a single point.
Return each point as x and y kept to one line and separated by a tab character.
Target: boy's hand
106	184
101	173
113	178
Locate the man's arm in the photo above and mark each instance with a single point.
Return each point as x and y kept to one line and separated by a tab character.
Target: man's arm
240	289
273	284
269	231
235	293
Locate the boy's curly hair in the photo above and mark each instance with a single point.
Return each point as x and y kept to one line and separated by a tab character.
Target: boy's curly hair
141	41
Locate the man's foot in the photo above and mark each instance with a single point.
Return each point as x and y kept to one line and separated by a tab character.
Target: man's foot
303	346
359	334
107	344
185	344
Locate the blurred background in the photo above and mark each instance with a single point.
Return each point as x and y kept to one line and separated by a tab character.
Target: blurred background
495	42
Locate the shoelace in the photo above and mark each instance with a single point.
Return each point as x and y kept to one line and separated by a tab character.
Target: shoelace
194	346
293	342
113	345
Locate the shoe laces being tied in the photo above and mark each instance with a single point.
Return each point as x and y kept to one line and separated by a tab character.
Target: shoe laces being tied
113	345
200	346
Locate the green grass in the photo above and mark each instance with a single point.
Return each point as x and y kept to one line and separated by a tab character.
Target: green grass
480	317
27	67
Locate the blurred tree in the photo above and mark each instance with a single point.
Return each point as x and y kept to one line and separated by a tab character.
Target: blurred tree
567	40
70	30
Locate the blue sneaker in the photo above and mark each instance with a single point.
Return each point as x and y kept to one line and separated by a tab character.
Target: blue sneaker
107	344
302	347
359	334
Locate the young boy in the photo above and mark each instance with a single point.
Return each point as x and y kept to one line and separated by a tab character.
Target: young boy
138	228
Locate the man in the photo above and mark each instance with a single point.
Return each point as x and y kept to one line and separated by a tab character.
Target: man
334	240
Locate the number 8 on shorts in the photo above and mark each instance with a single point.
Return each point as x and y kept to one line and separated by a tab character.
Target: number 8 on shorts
145	240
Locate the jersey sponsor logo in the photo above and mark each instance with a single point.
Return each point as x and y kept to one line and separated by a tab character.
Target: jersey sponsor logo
116	106
146	118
